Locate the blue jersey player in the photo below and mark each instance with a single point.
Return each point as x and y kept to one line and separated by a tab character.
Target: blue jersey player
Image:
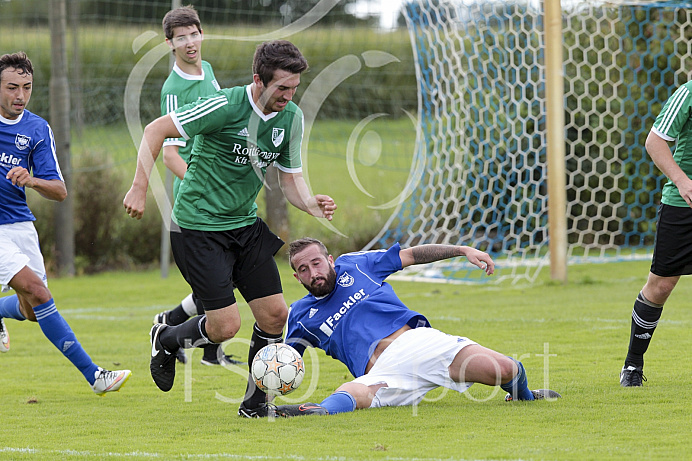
395	356
28	159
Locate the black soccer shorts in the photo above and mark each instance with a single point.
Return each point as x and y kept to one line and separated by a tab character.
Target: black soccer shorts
673	244
216	262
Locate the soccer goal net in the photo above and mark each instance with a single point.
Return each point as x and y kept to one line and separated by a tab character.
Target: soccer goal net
480	166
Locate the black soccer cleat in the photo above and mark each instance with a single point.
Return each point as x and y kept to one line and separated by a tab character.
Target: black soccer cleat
214	355
162	364
225	360
539	394
265	410
180	356
632	376
288	411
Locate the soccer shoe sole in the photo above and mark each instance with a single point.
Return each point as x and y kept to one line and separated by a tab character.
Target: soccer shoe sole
115	387
267	410
5	341
304	409
162	364
227	361
539	394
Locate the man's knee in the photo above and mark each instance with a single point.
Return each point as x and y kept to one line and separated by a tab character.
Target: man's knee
361	393
478	364
270	313
507	368
658	289
30	288
279	317
220	330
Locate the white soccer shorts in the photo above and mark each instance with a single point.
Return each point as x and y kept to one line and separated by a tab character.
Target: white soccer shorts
19	247
414	364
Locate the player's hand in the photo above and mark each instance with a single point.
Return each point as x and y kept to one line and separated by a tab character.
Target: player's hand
135	203
20	176
480	259
326	206
685	189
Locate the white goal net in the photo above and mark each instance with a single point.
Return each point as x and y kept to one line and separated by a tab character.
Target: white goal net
481	150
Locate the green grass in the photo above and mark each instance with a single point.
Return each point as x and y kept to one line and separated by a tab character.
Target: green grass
49	413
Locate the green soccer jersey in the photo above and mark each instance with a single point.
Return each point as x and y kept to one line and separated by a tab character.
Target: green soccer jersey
674	123
180	89
235	142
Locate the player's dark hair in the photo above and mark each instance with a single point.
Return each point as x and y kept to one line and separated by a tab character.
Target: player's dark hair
299	245
19	61
277	54
180	17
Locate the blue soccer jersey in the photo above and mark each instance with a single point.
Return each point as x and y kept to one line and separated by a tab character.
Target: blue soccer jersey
28	142
363	309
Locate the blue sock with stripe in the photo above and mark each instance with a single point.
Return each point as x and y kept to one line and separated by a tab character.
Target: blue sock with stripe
9	308
518	387
56	329
339	402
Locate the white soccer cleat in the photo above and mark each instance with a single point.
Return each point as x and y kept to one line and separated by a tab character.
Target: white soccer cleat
4	337
109	381
161	317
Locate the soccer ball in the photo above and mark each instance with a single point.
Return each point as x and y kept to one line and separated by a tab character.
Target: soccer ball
277	369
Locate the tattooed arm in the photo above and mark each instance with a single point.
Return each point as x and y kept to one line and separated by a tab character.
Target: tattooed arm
430	253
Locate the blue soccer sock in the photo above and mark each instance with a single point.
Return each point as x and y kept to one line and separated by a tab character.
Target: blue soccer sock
339	402
56	329
9	308
518	387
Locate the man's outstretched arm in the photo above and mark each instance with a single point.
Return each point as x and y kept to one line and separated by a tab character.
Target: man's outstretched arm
429	253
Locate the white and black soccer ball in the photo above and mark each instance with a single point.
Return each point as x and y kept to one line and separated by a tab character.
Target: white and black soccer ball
277	369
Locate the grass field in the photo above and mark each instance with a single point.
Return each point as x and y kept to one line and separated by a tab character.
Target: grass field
570	337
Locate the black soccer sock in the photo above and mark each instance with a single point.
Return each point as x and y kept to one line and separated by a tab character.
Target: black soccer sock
192	333
645	317
187	308
254	397
177	316
212	352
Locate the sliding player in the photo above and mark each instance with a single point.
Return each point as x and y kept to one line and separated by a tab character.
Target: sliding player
356	317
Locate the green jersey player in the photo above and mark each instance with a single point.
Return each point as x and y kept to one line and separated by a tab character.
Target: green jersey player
219	242
180	88
191	79
672	256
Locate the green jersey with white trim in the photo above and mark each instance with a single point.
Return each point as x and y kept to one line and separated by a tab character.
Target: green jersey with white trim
179	89
235	142
674	123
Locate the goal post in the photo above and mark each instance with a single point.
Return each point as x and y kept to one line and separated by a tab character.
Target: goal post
485	108
555	141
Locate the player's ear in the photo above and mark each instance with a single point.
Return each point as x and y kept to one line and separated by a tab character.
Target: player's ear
331	260
295	274
258	81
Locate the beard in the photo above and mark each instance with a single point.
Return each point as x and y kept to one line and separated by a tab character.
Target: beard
325	288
